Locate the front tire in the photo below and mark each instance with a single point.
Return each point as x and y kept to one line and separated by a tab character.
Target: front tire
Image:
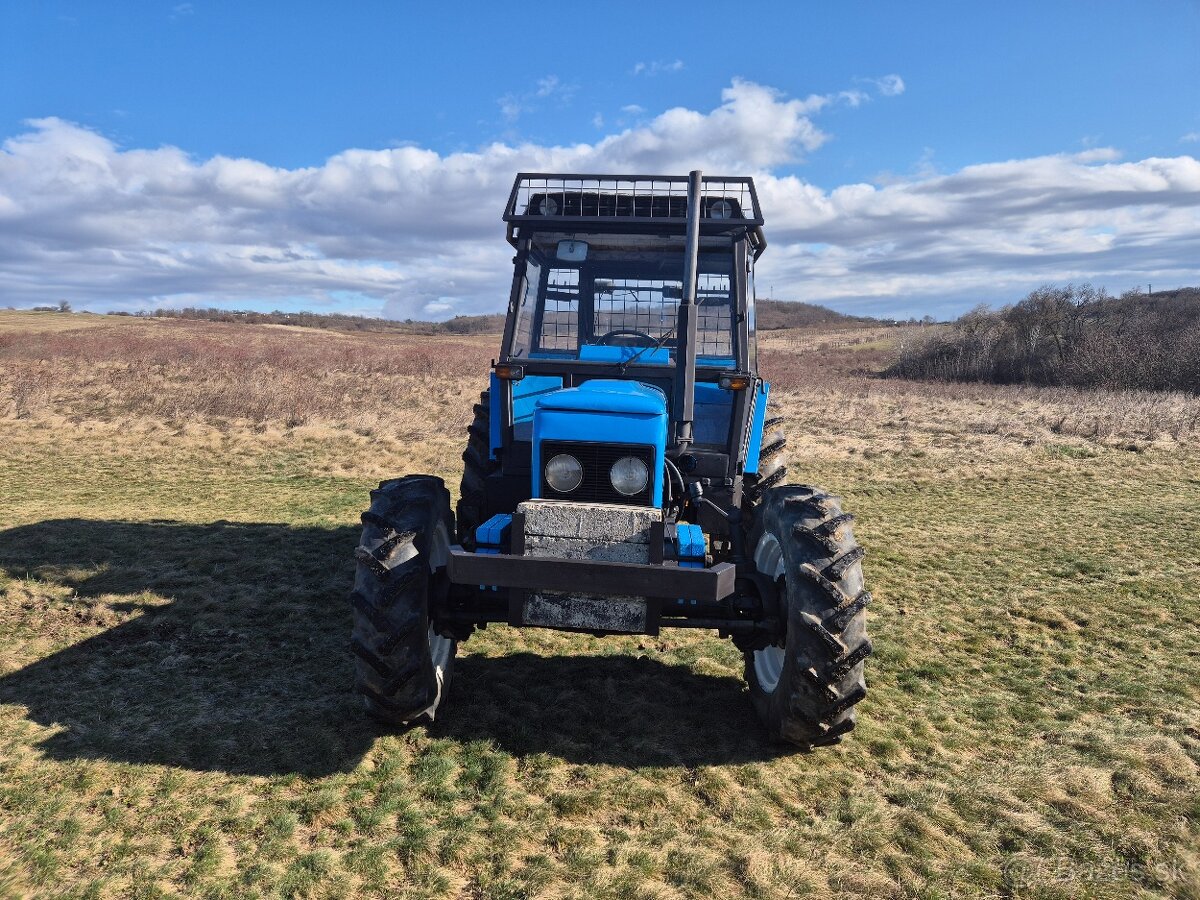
805	686
402	665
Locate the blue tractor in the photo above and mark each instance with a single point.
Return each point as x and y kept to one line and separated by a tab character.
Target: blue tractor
622	474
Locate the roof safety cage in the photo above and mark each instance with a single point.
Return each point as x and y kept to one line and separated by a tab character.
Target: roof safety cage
632	203
629	199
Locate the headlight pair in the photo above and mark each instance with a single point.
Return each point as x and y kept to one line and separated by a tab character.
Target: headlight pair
628	475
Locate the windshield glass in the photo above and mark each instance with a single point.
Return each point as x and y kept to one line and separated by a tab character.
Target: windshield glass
624	292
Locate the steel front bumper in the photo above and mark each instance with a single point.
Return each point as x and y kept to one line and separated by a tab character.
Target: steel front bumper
542	573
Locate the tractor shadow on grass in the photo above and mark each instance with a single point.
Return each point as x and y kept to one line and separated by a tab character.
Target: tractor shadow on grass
612	709
246	669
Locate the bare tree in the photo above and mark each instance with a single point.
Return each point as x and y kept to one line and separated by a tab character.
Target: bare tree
1074	335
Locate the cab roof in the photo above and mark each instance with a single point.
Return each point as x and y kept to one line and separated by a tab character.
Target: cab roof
632	203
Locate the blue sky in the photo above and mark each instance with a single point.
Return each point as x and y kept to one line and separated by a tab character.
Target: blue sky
867	122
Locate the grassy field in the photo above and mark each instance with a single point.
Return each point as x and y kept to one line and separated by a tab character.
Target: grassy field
178	507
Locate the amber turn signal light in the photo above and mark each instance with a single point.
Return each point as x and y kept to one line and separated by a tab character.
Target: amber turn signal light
734	381
509	373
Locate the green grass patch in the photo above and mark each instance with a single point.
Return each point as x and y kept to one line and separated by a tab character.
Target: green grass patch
177	715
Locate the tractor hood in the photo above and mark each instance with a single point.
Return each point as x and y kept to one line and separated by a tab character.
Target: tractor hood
608	396
607	416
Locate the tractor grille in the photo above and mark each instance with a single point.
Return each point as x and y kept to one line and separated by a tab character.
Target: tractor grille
596	460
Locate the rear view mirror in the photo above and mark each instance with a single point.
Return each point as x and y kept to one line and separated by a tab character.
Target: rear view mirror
572	251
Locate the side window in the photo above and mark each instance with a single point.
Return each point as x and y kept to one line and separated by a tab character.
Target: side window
560	313
714	325
751	335
526	304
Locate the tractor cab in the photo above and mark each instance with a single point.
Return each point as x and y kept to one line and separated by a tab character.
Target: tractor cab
612	304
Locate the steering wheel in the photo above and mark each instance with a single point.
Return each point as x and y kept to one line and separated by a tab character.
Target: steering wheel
631	332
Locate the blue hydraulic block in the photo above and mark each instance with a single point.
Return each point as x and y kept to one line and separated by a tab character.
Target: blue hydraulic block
689	546
494	532
492	537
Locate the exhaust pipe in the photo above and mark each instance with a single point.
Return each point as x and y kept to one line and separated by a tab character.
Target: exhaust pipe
685	329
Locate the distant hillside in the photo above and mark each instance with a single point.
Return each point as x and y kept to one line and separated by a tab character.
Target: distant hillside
772	314
334	321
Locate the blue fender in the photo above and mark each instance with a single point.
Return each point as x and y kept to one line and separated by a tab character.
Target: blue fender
758	420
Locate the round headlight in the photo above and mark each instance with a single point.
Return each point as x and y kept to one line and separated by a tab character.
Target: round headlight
629	476
564	473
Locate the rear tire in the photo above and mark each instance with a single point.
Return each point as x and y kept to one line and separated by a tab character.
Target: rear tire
806	685
402	665
772	463
477	466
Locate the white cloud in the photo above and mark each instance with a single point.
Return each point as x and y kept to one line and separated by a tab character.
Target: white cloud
657	67
1192	137
511	107
632	109
889	85
514	105
415	232
988	231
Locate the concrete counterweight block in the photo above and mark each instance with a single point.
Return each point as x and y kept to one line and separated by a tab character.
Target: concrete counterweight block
601	531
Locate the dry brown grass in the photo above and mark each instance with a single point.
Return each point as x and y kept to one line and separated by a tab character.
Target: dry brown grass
226	376
835	395
28	321
222	373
